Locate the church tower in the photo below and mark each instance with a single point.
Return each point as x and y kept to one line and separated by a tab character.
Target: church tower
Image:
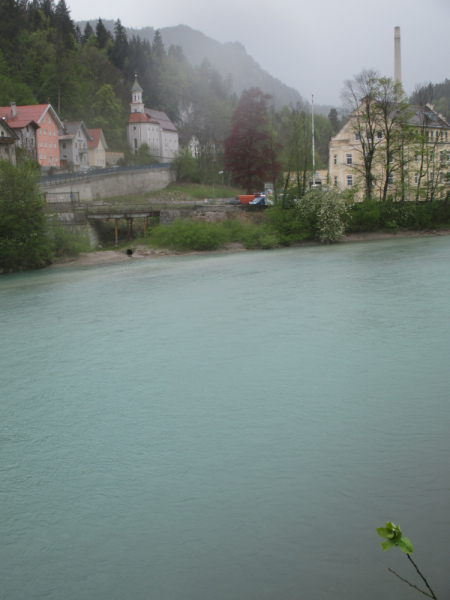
137	106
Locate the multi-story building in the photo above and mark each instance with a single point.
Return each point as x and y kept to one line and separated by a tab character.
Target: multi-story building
73	145
8	140
151	127
97	148
424	164
36	127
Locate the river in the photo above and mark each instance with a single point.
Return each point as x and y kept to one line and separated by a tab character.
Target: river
227	426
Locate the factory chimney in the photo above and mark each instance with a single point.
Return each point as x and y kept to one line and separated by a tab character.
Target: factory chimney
397	57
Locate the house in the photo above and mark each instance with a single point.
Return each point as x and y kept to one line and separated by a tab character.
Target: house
73	145
8	140
23	126
425	166
44	137
97	147
151	127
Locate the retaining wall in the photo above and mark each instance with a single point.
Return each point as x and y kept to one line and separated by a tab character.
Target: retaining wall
120	184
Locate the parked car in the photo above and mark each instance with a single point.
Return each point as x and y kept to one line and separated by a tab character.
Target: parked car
232	201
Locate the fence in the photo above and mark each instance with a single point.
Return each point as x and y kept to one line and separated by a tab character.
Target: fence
65	197
47	180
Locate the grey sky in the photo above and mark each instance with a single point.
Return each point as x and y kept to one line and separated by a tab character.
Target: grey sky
311	46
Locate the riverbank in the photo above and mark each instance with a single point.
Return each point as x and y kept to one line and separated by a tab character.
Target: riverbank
142	252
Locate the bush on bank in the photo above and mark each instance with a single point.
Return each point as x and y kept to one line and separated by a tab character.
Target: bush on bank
24	243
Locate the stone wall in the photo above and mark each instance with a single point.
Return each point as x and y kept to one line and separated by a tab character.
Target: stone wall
123	184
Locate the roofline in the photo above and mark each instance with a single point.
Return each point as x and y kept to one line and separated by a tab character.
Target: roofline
54	115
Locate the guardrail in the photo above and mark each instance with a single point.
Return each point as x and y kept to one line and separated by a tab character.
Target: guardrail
71	177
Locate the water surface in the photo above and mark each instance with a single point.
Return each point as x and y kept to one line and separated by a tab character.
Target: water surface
226	427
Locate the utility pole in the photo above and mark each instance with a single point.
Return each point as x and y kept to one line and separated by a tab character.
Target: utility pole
313	152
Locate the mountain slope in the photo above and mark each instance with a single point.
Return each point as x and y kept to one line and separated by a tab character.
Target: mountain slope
230	57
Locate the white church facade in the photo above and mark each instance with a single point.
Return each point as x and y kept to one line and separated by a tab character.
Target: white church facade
152	127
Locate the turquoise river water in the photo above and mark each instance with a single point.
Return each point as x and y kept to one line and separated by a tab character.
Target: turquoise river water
227	426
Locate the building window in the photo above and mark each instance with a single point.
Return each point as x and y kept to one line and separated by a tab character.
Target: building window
432	135
441	178
45	144
379	135
446	136
390	179
48	120
357	137
335	181
416	158
40	155
335	159
349	180
45	132
391	159
416	178
135	142
40	144
64	145
442	156
349	159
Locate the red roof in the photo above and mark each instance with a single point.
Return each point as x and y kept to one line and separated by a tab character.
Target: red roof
140	118
95	135
26	114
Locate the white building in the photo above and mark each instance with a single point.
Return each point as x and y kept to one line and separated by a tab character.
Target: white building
151	127
73	146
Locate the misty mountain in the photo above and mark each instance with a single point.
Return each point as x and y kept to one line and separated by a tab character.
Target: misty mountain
230	57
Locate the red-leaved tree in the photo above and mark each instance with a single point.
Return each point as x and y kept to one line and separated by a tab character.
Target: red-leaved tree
250	149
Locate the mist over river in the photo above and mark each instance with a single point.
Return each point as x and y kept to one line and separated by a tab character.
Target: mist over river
227	426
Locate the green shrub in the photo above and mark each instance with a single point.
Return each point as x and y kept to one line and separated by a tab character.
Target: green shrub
23	240
187	235
67	243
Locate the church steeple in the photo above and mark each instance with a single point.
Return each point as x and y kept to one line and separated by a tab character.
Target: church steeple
136	97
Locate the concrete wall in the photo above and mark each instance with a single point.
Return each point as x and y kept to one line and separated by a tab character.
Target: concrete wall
122	184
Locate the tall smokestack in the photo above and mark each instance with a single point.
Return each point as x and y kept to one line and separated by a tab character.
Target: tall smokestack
398	56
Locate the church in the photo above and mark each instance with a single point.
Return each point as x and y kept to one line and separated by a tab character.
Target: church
152	127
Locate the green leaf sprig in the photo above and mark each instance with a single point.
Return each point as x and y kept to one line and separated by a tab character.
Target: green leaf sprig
394	537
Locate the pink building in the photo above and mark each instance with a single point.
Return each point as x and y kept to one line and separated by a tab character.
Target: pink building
47	143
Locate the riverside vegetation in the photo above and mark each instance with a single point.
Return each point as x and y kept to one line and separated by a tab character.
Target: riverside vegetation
29	240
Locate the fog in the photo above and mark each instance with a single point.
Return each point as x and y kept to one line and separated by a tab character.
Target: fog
312	47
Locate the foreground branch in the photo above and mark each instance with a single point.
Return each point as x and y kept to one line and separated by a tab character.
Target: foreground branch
411	584
423	578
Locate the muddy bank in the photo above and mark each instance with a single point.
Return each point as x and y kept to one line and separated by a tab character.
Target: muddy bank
142	252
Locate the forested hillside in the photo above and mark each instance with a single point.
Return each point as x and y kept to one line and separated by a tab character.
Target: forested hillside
230	59
437	94
86	74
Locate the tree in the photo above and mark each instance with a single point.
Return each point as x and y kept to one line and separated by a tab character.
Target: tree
88	31
107	112
359	98
248	152
119	52
23	240
102	34
145	155
334	120
393	115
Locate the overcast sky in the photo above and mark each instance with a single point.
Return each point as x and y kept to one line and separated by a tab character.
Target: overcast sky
311	46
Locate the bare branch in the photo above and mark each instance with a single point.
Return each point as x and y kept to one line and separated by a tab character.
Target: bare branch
411	584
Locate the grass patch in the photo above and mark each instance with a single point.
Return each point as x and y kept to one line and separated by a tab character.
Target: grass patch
198	235
67	243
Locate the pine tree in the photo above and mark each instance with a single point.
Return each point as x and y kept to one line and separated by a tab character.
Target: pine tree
102	34
119	52
158	49
88	31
